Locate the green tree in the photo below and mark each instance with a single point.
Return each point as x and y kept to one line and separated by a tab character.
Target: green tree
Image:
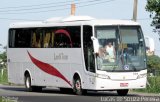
153	62
153	6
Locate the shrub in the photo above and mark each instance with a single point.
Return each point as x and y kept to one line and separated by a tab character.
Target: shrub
153	62
154	86
4	78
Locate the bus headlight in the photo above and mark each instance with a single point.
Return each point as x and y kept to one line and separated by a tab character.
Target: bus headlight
103	76
142	75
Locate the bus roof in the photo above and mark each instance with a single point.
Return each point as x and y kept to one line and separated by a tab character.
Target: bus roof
71	21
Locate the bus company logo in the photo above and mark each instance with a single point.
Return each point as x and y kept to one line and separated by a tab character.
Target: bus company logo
126	67
60	56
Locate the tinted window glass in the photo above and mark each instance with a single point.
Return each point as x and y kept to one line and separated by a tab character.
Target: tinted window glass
88	49
67	37
58	37
20	38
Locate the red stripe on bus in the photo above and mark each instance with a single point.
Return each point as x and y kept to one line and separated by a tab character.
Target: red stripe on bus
48	68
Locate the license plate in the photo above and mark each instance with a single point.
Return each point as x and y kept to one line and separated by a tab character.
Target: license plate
123	84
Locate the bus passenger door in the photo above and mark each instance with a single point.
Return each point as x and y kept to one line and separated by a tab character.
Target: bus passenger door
88	54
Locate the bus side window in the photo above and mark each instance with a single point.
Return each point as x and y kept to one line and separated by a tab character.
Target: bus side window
51	43
36	39
46	39
88	49
67	37
61	41
12	38
22	38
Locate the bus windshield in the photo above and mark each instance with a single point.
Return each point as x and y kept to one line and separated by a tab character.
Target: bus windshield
121	48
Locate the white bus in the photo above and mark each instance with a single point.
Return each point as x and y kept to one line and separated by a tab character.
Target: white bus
79	53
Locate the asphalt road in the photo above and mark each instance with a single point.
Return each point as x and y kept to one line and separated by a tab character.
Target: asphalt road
50	94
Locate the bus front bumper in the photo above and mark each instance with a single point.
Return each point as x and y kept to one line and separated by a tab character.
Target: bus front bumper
109	84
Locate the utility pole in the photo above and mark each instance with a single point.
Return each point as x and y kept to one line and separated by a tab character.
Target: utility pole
135	10
73	9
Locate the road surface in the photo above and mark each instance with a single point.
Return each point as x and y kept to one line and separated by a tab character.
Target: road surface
50	94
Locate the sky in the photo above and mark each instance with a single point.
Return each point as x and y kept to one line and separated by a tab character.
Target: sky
24	10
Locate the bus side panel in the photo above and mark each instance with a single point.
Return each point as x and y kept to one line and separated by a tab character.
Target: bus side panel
65	61
15	69
42	78
14	75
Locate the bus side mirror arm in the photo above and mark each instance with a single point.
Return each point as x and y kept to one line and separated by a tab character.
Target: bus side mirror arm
95	44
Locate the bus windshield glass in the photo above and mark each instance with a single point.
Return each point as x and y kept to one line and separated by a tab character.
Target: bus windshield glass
121	48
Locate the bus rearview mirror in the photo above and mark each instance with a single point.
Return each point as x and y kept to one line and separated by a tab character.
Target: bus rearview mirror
95	44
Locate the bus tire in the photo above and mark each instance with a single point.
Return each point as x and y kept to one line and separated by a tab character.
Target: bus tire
37	88
29	86
78	87
122	92
66	90
28	83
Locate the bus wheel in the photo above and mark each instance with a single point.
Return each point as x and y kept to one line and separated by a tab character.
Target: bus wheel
37	88
78	87
28	83
123	92
66	90
29	87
